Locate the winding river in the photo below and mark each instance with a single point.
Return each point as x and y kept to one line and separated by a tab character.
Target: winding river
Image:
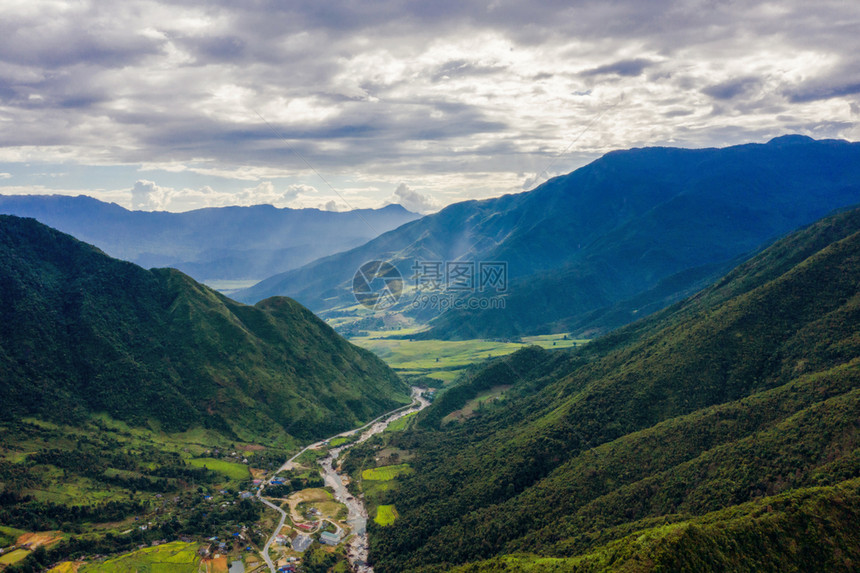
356	512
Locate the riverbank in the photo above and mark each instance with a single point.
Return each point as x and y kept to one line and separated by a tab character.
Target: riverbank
357	544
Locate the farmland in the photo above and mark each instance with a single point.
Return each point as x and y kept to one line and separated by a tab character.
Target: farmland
232	470
175	557
385	515
443	360
13	556
385	473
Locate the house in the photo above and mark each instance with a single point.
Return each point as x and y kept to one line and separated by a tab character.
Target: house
329	538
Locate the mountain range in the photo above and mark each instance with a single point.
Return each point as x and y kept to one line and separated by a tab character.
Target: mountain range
82	333
622	237
212	244
719	434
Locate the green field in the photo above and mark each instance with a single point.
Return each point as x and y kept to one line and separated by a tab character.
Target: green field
175	557
443	359
343	440
385	473
8	535
231	470
400	424
385	515
13	556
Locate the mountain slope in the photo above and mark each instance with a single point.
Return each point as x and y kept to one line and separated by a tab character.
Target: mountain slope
82	333
625	235
226	243
748	390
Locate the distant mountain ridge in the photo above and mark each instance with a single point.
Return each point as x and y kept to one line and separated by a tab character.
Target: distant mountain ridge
217	243
83	333
625	235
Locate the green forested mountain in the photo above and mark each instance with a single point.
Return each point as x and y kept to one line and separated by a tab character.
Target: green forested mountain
83	333
613	241
720	434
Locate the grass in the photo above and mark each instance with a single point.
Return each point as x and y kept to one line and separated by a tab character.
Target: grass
385	473
232	470
175	557
385	515
443	359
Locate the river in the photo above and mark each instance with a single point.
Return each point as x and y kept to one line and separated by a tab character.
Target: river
356	512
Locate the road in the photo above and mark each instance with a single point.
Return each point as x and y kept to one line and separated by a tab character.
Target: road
356	512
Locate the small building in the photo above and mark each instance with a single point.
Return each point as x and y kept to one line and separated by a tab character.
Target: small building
329	538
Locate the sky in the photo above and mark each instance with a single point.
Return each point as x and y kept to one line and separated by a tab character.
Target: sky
356	104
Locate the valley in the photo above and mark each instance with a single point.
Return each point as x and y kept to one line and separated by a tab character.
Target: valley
443	361
661	390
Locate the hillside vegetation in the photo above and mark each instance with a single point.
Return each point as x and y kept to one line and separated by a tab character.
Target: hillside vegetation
721	433
81	333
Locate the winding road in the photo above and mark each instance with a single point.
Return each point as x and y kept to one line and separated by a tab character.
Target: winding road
356	512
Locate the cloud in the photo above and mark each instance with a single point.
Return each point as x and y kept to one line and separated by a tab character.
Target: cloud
5	175
147	196
733	88
414	201
817	91
632	67
248	100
